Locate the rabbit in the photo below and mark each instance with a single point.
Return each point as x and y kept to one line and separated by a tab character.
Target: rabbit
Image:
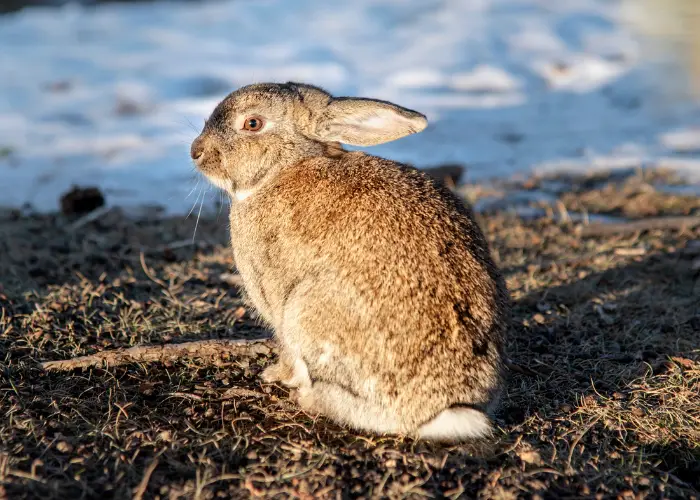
388	311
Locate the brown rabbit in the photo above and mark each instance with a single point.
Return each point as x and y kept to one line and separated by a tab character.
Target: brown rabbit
389	313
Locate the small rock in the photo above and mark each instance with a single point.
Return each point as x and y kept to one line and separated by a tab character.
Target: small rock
79	201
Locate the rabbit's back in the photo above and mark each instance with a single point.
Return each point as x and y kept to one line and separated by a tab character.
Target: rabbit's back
386	272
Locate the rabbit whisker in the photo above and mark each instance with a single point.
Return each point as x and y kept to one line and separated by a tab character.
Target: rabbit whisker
198	215
195	187
201	191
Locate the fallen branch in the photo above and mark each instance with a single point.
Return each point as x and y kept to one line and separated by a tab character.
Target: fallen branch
679	222
240	392
160	353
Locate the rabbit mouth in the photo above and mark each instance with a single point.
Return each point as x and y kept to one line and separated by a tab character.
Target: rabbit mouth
208	162
211	175
211	171
206	156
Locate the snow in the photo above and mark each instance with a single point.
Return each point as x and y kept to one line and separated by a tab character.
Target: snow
585	74
112	95
485	78
682	141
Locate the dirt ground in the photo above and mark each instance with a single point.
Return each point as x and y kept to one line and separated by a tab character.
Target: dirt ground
603	398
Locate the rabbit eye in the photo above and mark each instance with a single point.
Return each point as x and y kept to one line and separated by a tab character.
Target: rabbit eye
253	124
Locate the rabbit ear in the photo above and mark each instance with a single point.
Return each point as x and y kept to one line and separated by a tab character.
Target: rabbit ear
367	122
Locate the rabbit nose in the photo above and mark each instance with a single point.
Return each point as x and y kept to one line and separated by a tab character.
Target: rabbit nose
197	149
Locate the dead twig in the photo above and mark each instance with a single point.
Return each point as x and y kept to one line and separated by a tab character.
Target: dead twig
577	440
141	489
150	274
237	392
679	222
185	395
160	353
630	252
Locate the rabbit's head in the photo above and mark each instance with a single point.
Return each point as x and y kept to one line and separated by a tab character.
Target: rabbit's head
263	127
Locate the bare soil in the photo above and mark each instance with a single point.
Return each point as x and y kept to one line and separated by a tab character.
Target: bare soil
603	398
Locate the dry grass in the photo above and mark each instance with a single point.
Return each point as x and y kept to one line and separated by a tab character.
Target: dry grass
603	399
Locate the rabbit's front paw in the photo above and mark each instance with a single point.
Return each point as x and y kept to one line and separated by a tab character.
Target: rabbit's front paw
304	398
279	372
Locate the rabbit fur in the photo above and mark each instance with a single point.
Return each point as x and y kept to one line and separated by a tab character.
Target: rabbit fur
388	311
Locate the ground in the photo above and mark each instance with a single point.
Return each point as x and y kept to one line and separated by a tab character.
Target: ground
603	397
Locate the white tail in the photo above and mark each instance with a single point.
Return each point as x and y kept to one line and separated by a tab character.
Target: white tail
455	424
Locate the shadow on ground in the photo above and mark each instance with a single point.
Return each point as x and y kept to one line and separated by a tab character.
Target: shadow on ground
606	364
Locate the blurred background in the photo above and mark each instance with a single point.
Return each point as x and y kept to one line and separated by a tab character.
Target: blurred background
110	94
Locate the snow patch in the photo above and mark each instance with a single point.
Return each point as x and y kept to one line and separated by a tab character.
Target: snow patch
581	74
682	141
485	79
114	94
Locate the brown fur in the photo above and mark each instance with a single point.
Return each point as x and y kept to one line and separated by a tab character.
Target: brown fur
375	279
